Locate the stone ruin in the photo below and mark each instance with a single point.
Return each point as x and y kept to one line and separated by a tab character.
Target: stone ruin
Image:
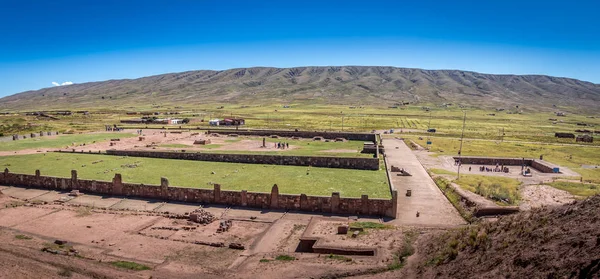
343	229
202	141
202	216
401	172
340	140
75	193
224	226
318	138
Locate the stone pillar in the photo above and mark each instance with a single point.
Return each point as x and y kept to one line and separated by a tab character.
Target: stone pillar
304	202
392	212
217	193
74	184
244	195
274	197
364	204
335	202
117	184
164	187
41	134
37	173
164	182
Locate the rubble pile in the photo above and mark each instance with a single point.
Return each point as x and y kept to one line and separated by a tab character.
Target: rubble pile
201	216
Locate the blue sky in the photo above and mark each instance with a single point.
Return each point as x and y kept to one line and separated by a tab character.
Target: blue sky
60	41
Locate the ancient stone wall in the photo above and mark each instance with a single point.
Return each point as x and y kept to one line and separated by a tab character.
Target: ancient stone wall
541	166
315	161
334	204
301	134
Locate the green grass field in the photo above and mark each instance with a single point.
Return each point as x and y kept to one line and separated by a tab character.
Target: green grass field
502	190
60	141
196	174
578	189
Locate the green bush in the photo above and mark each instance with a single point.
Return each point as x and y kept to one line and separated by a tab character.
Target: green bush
285	258
130	265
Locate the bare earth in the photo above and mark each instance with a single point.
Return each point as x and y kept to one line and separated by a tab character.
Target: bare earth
108	229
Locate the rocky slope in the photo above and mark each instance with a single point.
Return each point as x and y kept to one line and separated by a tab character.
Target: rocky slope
558	242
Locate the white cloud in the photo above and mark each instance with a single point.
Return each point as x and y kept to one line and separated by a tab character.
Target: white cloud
60	84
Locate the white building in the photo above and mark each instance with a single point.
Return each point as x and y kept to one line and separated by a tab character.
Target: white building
213	122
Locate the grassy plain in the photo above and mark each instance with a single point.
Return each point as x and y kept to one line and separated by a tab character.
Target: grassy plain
59	141
196	174
576	188
512	132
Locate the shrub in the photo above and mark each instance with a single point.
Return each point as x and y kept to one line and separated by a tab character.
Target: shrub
285	258
21	236
130	265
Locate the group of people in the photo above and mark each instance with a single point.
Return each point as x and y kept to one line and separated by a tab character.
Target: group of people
139	132
498	168
282	145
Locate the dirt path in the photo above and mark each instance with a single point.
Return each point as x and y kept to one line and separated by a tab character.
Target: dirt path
433	207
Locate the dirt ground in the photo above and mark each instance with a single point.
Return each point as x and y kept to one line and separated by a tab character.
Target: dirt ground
156	140
107	229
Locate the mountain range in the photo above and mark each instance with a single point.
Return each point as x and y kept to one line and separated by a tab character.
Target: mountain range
343	85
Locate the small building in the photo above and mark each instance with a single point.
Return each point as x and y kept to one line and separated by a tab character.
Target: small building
174	121
133	121
584	138
214	122
232	122
564	135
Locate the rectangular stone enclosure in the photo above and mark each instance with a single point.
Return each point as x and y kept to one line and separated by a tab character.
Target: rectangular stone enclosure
333	204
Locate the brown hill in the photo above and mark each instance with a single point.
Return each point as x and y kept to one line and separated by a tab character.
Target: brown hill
561	242
324	85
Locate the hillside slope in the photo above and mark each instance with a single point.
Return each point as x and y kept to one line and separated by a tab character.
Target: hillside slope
347	85
560	242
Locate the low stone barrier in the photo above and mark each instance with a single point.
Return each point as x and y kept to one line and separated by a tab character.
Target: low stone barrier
315	161
333	204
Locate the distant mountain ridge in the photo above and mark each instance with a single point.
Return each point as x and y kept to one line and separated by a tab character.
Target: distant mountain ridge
344	85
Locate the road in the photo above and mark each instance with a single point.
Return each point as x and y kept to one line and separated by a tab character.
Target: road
427	199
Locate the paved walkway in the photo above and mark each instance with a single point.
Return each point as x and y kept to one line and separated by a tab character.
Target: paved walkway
433	207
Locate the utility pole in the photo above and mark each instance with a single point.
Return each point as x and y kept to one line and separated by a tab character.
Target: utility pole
462	135
429	124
